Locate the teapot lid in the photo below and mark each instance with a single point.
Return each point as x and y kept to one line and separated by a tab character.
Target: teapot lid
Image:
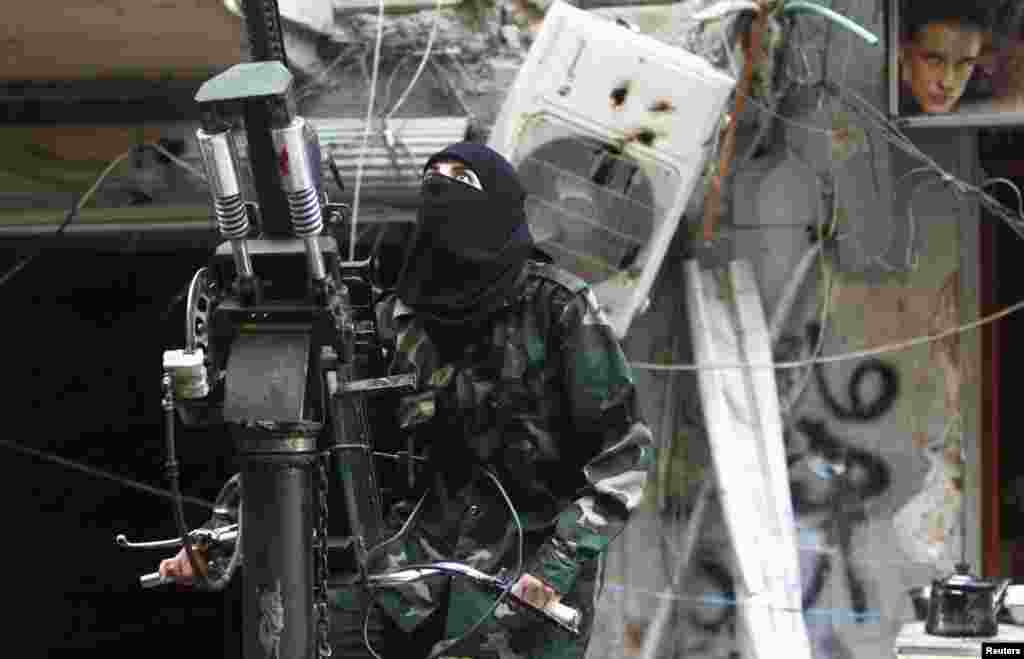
962	577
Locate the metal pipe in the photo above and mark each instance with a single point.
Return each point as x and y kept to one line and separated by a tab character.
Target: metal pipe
840	20
278	586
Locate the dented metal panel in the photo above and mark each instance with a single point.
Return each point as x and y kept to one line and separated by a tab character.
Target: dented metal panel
609	130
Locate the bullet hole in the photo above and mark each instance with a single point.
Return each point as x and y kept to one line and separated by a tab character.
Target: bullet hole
618	95
662	105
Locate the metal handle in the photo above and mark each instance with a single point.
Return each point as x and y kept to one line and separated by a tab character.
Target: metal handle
122	541
565	616
154	579
560	614
227	533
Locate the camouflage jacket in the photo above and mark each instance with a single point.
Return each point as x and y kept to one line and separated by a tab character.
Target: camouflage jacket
546	403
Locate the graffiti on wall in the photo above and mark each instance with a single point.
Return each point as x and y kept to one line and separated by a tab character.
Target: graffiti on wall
838	478
833	481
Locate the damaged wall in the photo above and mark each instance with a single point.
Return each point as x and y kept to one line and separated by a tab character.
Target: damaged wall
874	443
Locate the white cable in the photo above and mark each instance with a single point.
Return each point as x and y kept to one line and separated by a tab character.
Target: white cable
308	88
423	63
366	131
391	79
819	344
79	205
784	307
178	161
859	354
102	177
1013	186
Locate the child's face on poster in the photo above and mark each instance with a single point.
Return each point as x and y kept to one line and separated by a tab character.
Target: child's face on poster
938	62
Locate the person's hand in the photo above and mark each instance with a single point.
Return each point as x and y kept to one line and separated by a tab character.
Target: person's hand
534	591
180	568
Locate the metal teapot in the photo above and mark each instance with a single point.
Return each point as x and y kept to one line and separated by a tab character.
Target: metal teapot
964	605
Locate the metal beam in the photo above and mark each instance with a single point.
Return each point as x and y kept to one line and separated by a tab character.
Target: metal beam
158	221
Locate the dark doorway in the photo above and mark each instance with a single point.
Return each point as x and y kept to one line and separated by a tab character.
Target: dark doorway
1002	281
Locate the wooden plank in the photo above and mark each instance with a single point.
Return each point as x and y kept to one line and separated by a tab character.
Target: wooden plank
741	411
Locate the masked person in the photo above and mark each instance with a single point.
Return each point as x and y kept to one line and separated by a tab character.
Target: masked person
940	48
523	385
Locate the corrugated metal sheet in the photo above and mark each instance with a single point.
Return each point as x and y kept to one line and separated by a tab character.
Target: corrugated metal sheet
394	6
391	167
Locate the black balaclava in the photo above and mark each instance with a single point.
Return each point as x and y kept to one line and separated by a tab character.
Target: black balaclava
468	246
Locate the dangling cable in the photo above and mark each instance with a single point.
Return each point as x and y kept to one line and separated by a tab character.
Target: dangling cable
447	647
234	484
366	131
104	475
422	65
171	468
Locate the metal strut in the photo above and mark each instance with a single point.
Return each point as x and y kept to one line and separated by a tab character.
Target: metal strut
266	44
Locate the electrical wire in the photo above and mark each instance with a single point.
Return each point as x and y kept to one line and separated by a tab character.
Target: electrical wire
1013	186
894	136
173	476
71	215
310	87
221	582
423	62
511	583
81	202
826	307
400	533
102	474
829	359
366	131
449	647
391	79
178	161
392	136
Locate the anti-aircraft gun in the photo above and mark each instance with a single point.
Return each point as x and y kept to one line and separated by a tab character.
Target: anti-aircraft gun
280	348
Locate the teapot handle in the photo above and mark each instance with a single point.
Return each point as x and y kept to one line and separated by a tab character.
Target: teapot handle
1000	594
